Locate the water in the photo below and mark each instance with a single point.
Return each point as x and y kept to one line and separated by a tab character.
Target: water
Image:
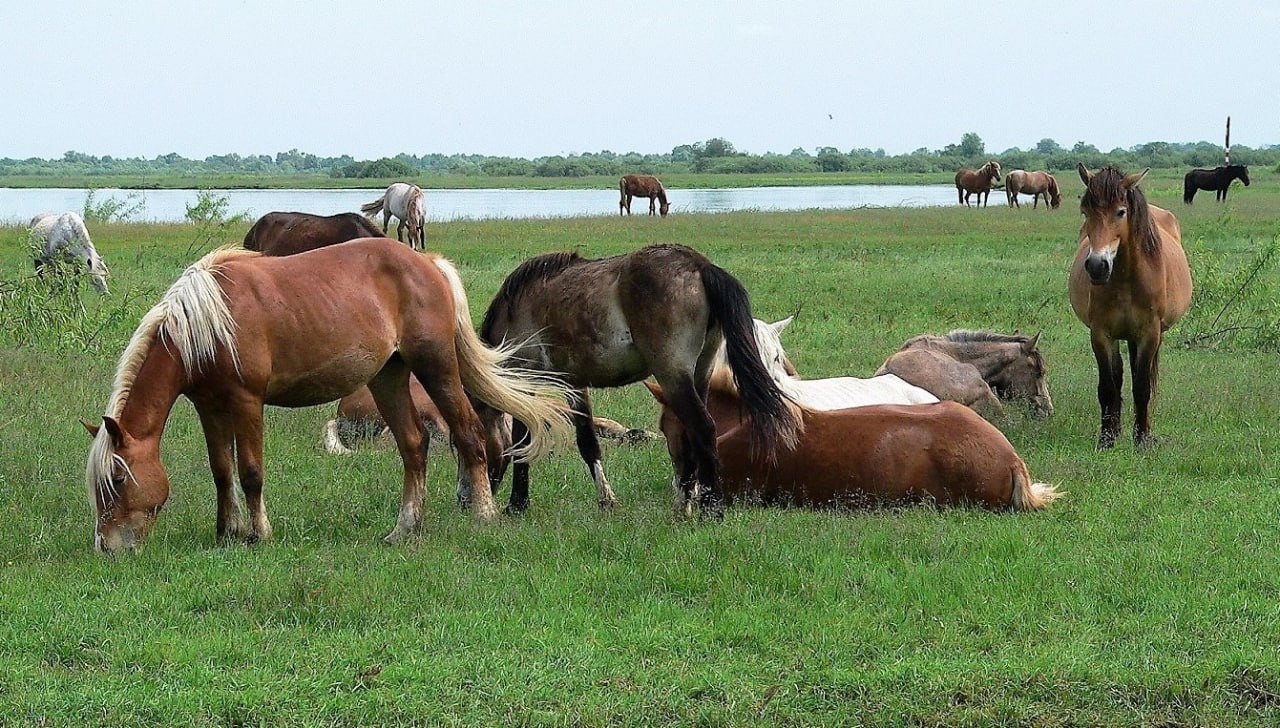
17	206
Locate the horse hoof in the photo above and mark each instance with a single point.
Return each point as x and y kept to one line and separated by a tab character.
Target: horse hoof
1105	442
713	511
516	509
607	504
397	536
487	513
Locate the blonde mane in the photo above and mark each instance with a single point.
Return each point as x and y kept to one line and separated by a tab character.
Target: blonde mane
194	319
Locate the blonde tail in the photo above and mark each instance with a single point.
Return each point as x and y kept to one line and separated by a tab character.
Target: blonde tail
535	398
333	443
1029	496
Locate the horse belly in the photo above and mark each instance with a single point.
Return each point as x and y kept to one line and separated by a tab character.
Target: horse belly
326	381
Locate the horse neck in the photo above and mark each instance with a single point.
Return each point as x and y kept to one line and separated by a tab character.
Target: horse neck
156	387
988	357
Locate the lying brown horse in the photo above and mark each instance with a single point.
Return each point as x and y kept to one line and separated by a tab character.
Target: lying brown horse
1130	280
286	233
863	456
377	311
969	181
1036	184
642	185
976	368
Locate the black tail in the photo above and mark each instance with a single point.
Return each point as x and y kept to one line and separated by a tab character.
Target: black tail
1188	189
774	421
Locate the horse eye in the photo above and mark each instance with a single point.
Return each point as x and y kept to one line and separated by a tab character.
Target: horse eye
1120	212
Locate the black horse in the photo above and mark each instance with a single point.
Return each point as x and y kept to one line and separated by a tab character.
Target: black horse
1217	179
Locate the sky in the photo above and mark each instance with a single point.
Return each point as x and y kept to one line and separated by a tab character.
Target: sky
531	78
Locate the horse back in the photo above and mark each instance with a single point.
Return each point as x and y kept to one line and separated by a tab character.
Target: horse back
289	233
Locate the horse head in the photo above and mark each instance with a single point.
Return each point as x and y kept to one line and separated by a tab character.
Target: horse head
993	168
665	207
1055	194
127	483
1114	210
1244	174
1025	376
769	342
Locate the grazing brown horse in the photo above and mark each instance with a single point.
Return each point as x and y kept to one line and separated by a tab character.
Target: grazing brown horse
225	336
1217	179
286	233
1036	184
642	185
976	369
863	456
1129	280
969	181
662	310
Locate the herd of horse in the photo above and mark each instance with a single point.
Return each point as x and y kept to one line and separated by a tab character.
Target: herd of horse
1042	184
314	309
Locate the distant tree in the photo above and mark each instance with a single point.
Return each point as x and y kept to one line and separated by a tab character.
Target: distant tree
1083	148
716	147
1047	146
971	145
799	153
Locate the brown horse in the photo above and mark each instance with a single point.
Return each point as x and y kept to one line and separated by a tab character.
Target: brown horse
969	181
286	233
863	456
642	185
976	368
1036	184
662	310
226	336
1129	280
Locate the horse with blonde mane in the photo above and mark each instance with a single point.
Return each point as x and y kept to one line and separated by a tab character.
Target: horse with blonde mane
1036	184
642	185
1129	280
220	335
407	204
969	181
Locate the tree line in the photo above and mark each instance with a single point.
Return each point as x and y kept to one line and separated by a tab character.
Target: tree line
713	156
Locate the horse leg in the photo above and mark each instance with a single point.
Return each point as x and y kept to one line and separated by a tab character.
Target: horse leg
653	210
248	439
1144	360
439	376
518	502
1110	381
399	229
700	446
390	389
219	437
386	218
589	448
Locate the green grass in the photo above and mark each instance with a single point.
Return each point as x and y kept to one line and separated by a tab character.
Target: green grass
1150	595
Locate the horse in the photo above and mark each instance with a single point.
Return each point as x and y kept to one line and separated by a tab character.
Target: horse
642	185
64	236
863	456
286	233
1036	184
357	418
968	181
662	310
406	203
225	336
1217	179
976	368
1129	280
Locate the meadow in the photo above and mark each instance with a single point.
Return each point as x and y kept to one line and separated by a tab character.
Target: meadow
1149	595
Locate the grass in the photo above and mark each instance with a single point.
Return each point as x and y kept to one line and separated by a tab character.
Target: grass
1150	595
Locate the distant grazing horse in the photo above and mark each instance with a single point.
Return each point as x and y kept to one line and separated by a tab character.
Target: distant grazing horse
1036	184
642	185
406	203
968	181
1217	179
976	368
941	453
64	236
221	337
1129	280
286	233
662	310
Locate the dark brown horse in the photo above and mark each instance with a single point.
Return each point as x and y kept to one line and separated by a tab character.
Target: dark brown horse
1036	184
286	233
969	181
1130	281
1217	179
942	453
377	312
642	185
663	310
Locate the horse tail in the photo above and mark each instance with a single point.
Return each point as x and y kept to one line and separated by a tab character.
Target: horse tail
775	419
333	443
1029	495
534	398
373	208
1188	189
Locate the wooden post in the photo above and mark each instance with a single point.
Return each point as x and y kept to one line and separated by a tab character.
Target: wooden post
1228	147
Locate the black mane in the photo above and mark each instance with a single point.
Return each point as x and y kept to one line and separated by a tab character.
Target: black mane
533	269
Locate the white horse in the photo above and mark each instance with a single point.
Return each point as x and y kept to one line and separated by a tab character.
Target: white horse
65	236
406	203
828	394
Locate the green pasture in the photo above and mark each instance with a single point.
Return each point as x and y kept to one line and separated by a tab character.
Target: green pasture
1149	595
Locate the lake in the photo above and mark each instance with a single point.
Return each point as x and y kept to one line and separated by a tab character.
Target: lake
17	206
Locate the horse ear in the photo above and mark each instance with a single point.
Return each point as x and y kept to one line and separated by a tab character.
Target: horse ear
778	326
1135	178
91	428
656	391
115	430
1085	174
1031	345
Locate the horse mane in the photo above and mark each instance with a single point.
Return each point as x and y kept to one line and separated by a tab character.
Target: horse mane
1106	187
534	269
961	336
193	318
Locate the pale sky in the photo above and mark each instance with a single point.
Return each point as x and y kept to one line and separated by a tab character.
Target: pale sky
540	77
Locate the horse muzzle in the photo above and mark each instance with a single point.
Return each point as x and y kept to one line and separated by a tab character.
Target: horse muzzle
1099	266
